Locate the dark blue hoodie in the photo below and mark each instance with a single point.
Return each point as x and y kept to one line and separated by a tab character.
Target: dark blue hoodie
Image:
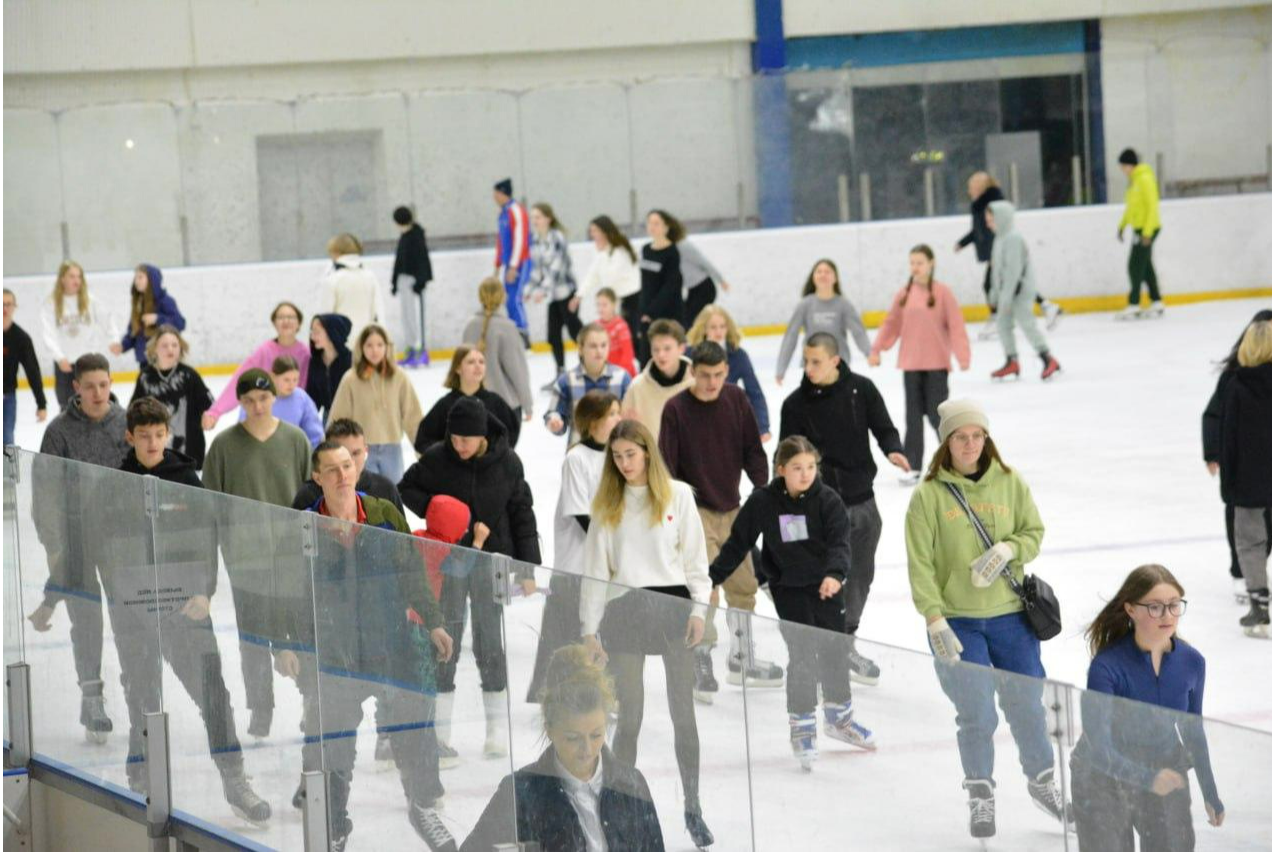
324	378
165	307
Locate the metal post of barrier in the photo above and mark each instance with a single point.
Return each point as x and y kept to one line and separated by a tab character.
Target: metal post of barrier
843	198
502	567
1058	699
741	206
158	779
1076	177
1013	172
929	191
313	787
17	679
864	184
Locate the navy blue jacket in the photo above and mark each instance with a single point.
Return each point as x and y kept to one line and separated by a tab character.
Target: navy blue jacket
165	307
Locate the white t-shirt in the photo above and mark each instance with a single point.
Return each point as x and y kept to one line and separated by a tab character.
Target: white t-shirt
672	552
580	477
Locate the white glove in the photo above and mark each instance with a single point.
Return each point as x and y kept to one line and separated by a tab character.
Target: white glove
988	566
945	644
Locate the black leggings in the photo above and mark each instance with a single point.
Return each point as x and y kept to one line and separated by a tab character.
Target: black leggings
700	296
560	315
924	391
1140	268
476	589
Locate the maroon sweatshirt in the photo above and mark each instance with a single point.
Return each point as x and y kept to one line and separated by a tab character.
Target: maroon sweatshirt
710	445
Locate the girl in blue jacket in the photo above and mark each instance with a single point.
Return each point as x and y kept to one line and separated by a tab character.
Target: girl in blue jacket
152	307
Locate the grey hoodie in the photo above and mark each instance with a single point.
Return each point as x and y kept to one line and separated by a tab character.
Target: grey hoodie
72	435
507	372
1012	273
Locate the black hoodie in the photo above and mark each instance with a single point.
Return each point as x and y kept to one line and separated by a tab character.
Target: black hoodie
433	425
325	378
838	420
980	233
494	487
412	259
805	538
1245	465
175	467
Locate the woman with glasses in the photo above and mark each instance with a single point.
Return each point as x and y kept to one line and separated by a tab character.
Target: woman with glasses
1130	768
974	615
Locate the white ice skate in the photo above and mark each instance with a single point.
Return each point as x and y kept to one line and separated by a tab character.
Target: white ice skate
804	740
841	725
1051	312
988	331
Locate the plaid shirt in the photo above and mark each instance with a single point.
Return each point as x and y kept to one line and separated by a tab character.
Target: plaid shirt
573	384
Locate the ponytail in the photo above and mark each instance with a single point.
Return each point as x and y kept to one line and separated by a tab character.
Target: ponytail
491	293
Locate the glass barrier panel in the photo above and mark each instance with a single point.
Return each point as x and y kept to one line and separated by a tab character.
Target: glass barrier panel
1145	773
14	617
220	629
92	593
382	634
890	757
678	761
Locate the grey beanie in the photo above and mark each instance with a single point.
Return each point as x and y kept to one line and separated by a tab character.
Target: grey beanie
960	413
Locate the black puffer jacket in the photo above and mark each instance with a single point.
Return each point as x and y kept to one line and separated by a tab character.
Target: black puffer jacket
805	538
1245	464
433	427
838	419
980	233
493	486
545	818
324	378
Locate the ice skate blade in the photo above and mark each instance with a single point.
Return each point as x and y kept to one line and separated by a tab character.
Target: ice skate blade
98	738
1015	376
703	697
869	681
1258	632
735	678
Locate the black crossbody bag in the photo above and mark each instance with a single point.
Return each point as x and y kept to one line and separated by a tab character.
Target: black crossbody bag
1042	608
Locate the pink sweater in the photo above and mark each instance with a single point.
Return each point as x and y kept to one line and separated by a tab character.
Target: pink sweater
929	336
263	357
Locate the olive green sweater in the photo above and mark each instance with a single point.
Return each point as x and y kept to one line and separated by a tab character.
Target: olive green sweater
941	542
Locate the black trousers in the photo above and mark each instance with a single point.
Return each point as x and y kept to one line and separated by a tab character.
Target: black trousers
561	626
559	316
252	588
1140	268
700	296
1110	814
865	526
331	724
1229	512
475	590
924	391
190	649
815	656
62	386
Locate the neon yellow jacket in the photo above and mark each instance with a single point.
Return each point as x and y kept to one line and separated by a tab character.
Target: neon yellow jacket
1141	202
941	543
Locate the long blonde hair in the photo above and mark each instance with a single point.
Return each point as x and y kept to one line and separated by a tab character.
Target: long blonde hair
363	367
1256	345
491	294
59	291
607	506
698	333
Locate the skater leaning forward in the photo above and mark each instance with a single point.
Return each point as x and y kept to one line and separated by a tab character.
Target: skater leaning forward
805	558
1012	288
972	617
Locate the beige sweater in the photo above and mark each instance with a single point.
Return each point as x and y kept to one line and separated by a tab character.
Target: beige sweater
646	397
386	408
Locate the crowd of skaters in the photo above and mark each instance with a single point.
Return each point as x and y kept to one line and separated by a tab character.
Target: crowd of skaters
640	506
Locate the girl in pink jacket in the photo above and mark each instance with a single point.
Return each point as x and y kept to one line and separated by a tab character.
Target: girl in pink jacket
926	317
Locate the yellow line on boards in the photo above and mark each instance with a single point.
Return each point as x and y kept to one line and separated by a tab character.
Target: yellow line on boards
872	319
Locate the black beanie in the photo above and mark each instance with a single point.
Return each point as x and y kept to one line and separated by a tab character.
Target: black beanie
504	186
467	417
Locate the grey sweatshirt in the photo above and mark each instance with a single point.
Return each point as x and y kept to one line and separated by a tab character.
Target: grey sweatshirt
835	316
72	435
507	373
694	266
1011	273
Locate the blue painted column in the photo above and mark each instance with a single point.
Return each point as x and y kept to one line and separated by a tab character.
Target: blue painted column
1095	109
772	118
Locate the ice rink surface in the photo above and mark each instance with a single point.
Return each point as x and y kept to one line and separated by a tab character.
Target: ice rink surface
1111	449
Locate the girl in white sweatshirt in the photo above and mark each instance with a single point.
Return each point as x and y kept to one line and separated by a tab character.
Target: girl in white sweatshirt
646	558
73	324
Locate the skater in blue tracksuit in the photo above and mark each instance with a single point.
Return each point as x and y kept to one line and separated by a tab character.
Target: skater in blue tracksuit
512	252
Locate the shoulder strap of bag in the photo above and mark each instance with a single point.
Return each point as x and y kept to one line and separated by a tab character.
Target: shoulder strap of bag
984	537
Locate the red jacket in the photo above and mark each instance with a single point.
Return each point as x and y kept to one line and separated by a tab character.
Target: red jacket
447	520
621	352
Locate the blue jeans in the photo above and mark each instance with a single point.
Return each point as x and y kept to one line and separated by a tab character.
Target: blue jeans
516	309
10	417
1009	644
386	460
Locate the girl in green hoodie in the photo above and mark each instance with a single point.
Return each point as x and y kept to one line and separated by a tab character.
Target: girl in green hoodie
972	617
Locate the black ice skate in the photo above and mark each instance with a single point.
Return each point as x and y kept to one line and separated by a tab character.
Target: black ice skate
980	802
1046	796
427	823
93	713
861	668
242	799
1255	623
697	829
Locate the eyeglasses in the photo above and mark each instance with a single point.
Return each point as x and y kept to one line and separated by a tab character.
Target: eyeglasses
973	438
1156	609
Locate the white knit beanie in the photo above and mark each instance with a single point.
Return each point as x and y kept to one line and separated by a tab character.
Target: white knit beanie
960	413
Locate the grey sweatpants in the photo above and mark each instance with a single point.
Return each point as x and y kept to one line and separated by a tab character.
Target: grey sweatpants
1017	310
1251	535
